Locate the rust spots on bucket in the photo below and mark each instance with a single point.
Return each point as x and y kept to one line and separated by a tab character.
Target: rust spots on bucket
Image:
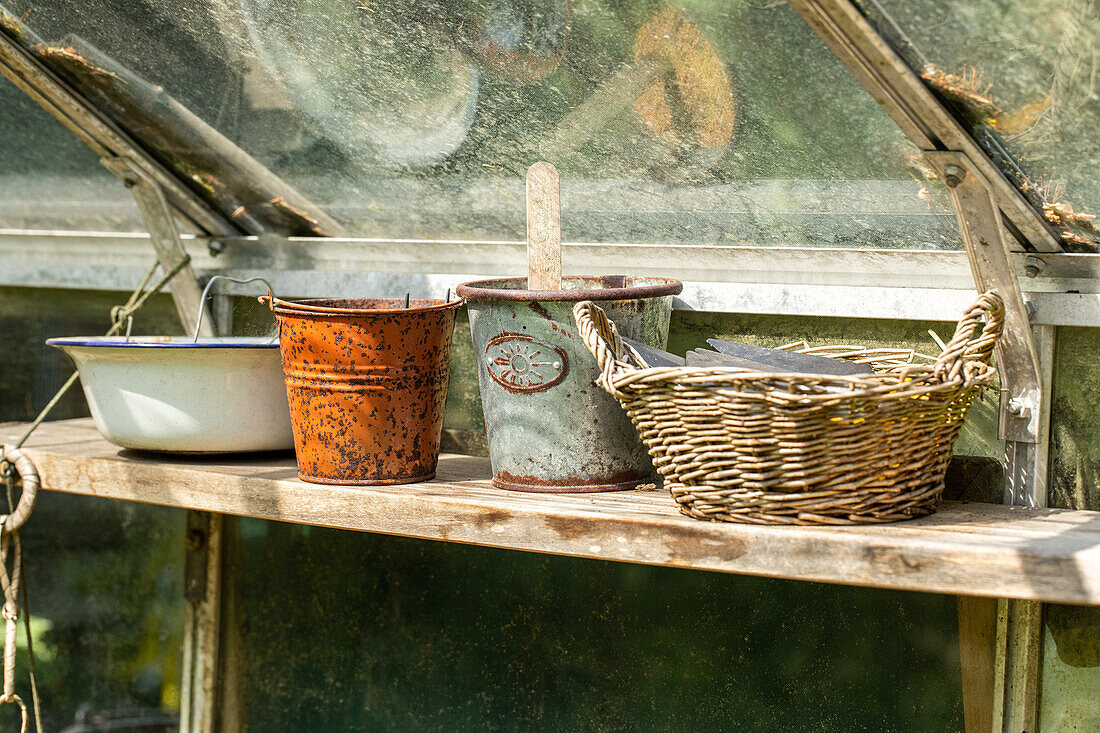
538	308
366	382
541	310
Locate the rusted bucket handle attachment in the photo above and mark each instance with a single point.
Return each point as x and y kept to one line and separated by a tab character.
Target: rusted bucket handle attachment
13	459
206	296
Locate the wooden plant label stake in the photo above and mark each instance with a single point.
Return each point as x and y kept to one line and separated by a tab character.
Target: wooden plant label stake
543	227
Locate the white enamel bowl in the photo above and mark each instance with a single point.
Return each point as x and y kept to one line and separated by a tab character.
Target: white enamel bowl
219	395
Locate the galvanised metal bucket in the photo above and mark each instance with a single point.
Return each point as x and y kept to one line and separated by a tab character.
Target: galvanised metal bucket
550	428
367	382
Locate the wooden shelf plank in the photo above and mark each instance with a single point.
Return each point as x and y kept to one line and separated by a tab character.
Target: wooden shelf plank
966	548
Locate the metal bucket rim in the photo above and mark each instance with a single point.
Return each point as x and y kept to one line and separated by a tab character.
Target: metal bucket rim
163	342
303	307
617	289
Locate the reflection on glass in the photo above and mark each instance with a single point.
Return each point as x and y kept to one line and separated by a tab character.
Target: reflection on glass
1022	76
382	82
700	122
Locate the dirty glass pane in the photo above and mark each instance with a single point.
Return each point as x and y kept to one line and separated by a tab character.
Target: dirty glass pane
703	122
354	632
1020	74
30	371
51	180
1071	646
104	578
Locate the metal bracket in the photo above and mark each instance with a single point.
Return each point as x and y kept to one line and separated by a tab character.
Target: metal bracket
1025	376
150	198
984	235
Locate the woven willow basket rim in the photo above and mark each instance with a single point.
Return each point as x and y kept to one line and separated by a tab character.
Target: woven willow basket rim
899	373
897	382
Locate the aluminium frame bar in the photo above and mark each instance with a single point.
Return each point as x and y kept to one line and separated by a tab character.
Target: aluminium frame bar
151	201
987	248
856	283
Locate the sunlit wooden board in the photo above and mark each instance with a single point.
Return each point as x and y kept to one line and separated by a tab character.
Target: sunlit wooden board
966	548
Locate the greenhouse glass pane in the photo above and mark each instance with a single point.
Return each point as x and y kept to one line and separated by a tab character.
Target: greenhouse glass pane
107	613
343	631
51	180
703	122
1023	75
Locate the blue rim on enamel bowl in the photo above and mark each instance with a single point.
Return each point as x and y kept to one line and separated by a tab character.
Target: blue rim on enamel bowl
168	342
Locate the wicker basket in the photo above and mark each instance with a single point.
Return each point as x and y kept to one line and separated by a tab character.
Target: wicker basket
781	448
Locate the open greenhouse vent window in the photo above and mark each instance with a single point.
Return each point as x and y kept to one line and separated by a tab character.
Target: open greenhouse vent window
686	124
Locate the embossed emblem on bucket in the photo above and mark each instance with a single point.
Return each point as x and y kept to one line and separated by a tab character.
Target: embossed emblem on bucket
523	364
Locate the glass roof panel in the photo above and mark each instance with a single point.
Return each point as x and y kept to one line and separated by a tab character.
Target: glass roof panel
49	179
703	122
1022	76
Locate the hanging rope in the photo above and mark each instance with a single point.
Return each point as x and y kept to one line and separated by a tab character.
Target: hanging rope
14	462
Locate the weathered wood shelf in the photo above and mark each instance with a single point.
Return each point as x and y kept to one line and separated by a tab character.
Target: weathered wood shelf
966	548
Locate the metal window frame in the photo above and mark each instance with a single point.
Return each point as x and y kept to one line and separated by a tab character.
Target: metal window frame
103	136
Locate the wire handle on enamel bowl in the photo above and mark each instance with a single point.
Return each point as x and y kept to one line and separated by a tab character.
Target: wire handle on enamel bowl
206	296
964	347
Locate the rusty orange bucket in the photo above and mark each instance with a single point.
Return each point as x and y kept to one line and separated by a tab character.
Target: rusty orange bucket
367	382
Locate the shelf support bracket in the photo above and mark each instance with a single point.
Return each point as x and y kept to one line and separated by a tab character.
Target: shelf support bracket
157	214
